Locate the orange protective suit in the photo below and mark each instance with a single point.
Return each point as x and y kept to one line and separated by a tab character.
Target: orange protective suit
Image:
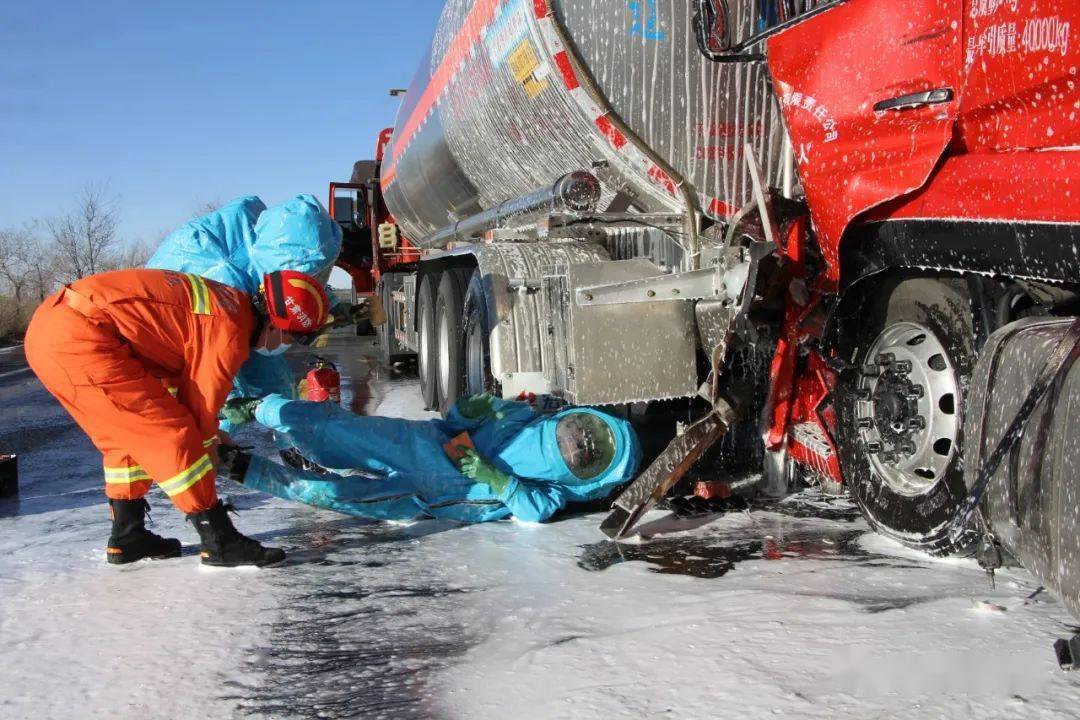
143	360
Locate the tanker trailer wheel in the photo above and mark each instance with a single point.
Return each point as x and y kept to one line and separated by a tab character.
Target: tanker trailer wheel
426	361
476	332
901	407
449	360
390	350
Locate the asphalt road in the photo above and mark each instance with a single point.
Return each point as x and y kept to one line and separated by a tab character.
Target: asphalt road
13	368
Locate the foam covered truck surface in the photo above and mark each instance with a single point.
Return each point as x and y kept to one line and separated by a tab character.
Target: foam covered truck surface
790	610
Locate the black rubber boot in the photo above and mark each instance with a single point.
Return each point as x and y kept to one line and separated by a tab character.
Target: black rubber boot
130	540
224	546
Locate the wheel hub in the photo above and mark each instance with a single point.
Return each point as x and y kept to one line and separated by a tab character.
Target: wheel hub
905	408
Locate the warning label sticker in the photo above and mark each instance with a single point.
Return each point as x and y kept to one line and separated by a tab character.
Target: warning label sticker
527	69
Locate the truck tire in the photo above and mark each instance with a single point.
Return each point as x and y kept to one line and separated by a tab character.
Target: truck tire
449	350
476	333
390	350
426	361
900	410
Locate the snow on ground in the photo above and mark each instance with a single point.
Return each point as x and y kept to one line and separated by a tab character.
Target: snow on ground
793	610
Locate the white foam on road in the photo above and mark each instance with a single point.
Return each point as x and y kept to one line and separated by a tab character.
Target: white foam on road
752	615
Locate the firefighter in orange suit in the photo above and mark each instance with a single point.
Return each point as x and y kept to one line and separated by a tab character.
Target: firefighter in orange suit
143	361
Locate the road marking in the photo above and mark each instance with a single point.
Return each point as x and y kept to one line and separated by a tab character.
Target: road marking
9	349
13	372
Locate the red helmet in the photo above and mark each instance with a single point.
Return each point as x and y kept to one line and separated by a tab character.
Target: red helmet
296	302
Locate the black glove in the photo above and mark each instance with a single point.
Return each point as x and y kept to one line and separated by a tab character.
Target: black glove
234	461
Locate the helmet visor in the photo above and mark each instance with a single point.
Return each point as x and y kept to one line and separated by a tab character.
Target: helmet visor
586	444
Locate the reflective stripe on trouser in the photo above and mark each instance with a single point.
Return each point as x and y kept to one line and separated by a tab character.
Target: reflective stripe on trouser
128	414
124	478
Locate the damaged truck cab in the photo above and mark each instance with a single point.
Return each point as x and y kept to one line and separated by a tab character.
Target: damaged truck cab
840	225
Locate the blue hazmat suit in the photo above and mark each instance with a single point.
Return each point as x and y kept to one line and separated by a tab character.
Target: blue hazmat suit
408	474
238	244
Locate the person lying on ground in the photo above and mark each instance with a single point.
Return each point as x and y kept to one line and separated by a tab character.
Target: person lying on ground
489	459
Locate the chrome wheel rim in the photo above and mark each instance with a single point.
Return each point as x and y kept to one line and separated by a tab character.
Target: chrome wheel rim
475	367
425	339
907	408
443	347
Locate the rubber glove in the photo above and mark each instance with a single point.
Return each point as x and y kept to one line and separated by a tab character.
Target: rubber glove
239	411
475	467
476	407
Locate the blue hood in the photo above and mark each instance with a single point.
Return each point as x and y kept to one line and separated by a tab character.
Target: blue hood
243	240
534	453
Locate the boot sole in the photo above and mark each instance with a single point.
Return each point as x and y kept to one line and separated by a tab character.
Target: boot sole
118	559
242	565
218	563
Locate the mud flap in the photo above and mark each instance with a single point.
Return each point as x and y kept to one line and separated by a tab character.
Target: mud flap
672	464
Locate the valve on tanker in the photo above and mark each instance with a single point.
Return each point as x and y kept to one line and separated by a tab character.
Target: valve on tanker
388	236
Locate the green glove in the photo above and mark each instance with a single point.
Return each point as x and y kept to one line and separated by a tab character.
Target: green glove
477	407
239	411
475	467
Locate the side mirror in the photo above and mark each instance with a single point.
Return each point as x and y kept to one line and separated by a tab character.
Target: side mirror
349	205
711	27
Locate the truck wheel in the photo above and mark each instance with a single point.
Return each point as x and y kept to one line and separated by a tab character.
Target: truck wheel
426	361
900	411
449	309
478	377
390	350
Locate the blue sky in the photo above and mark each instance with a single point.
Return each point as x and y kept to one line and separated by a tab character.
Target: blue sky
178	103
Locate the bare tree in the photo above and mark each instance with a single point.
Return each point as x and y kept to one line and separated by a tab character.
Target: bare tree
205	207
134	255
14	252
86	237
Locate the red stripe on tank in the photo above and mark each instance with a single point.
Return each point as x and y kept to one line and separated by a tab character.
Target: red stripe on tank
612	133
540	7
661	177
480	16
720	209
569	77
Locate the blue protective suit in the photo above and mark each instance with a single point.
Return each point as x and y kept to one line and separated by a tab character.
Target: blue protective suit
238	244
407	471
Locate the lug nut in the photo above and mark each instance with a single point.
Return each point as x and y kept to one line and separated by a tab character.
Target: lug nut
871	370
865	423
915	392
873	447
885	358
863	394
907	447
916	423
902	366
888	456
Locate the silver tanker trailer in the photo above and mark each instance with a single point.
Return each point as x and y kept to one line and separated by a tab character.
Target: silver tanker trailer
619	203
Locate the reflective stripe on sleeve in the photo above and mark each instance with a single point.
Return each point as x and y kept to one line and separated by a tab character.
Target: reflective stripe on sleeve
181	482
209	442
200	295
125	475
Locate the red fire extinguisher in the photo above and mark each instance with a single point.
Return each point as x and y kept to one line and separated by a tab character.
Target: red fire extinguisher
323	381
